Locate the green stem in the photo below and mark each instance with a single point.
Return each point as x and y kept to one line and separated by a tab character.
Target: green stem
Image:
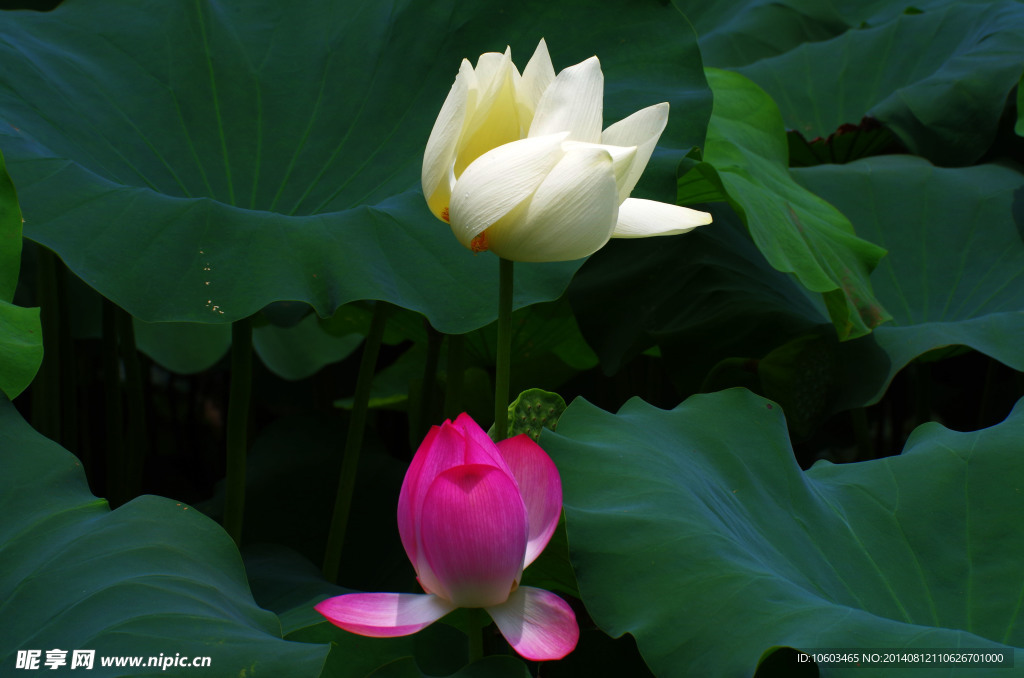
238	426
46	400
112	398
68	378
985	411
859	421
456	369
427	410
504	351
354	443
475	628
136	409
920	373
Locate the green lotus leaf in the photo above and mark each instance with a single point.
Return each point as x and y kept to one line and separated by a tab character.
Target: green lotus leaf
21	347
938	79
745	162
676	292
301	351
10	235
695	531
737	32
185	348
153	577
955	270
21	334
196	161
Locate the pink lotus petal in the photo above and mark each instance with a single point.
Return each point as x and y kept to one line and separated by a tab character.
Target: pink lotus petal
486	452
444	447
384	615
541	487
473	531
537	624
410	491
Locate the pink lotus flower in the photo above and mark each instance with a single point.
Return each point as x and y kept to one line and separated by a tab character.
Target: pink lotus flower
472	515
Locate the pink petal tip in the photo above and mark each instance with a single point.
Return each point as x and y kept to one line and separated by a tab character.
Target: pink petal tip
383	615
537	624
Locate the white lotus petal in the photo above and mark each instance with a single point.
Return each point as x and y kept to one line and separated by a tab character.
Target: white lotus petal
645	218
442	145
622	157
537	77
571	214
498	181
642	129
494	120
573	103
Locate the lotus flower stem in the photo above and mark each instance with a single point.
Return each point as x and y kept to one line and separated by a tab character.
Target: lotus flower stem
477	621
113	404
354	443
46	401
504	350
238	426
428	409
859	423
137	441
456	368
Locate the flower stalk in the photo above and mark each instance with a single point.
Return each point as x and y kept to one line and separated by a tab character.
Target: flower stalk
476	624
455	369
504	350
238	427
354	443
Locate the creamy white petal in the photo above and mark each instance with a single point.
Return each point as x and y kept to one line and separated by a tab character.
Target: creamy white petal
643	218
537	77
442	144
498	181
642	129
491	67
571	214
494	119
572	103
622	157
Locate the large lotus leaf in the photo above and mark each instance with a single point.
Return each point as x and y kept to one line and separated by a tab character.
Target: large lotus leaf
294	352
737	32
301	351
21	335
866	13
153	577
955	270
676	292
195	161
734	33
185	348
695	531
745	162
939	79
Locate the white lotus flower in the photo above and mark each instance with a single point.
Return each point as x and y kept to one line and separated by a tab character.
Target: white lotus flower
518	164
